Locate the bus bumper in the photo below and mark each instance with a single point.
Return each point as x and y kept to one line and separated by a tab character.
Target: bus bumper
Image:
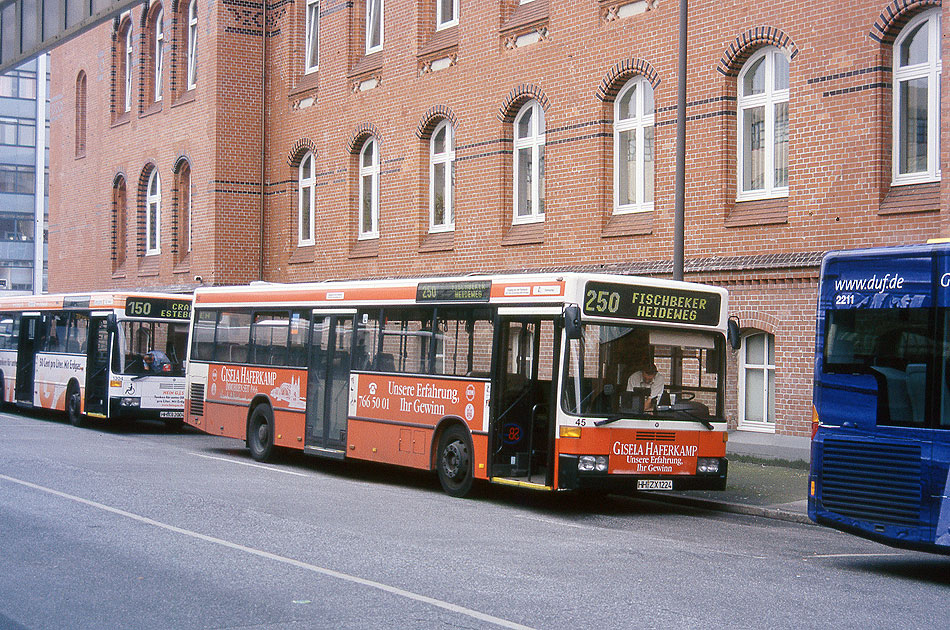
570	478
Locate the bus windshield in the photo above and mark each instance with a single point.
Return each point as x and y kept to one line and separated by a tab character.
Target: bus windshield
644	371
142	348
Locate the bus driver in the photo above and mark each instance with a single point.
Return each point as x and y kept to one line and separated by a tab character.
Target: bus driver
648	378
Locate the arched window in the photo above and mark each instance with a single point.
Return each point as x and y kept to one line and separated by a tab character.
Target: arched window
369	190
442	178
158	51
119	211
763	126
124	74
528	164
81	114
192	56
312	43
757	382
307	181
153	214
374	26
184	198
633	147
916	93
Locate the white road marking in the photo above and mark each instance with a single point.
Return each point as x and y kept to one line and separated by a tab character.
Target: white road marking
855	555
393	590
237	461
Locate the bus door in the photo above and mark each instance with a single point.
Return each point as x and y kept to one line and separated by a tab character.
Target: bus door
328	382
31	332
523	409
97	360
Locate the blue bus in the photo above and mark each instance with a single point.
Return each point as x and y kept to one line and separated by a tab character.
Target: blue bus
881	420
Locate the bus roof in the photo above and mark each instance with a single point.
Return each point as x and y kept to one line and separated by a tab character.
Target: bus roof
501	289
80	301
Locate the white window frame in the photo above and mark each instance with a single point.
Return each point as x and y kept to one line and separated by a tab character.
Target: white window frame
370	20
931	70
442	21
159	52
767	426
153	200
372	171
191	207
192	57
639	122
534	141
306	189
128	68
447	159
312	37
768	99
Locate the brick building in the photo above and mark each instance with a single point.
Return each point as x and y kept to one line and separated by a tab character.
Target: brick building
225	142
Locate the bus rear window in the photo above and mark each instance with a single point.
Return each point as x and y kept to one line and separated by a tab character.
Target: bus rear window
861	339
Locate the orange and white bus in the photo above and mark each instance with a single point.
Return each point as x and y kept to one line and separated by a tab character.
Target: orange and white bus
525	380
103	355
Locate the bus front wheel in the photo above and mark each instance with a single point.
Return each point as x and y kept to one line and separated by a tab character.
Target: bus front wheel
260	433
73	405
455	462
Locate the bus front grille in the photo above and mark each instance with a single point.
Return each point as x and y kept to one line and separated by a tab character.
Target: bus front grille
872	482
197	399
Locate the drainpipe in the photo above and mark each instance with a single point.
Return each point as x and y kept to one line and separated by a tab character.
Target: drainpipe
39	206
260	268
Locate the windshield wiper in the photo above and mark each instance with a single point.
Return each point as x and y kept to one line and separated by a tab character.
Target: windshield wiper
608	420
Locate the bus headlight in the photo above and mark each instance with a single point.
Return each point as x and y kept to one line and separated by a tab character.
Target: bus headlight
707	465
590	463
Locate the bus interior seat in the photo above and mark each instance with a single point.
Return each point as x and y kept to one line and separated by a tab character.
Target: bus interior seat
385	362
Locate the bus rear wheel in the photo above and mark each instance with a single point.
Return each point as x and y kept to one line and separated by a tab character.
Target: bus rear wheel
74	405
260	433
455	462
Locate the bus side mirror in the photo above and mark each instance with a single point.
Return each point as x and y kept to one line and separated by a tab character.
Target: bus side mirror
572	321
732	333
112	325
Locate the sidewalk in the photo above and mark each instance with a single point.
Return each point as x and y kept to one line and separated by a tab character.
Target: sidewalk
768	476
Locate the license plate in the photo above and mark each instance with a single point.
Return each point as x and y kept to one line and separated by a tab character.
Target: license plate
171	414
654	484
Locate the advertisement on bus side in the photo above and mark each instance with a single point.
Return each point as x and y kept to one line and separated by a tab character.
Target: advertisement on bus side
420	400
286	388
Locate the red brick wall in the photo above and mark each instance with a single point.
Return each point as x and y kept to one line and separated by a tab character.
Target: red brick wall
839	164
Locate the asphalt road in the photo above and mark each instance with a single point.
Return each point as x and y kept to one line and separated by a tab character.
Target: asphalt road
132	527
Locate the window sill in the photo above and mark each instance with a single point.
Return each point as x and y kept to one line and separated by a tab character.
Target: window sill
305	83
911	198
526	16
524	234
187	96
305	254
183	265
365	249
122	119
154	108
758	212
629	224
80	155
438	242
441	42
758	427
367	64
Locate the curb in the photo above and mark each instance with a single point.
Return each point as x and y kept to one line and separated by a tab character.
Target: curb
733	508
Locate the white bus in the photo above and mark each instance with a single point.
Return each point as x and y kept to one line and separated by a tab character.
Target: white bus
102	355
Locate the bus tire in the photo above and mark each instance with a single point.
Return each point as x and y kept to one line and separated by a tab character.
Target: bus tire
74	405
260	433
454	463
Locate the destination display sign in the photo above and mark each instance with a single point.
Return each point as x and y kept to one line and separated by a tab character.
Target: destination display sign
164	308
465	291
658	304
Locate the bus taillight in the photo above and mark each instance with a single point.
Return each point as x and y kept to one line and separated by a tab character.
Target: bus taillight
814	421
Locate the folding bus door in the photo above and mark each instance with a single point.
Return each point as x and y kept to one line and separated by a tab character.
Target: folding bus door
522	434
30	334
97	361
328	383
